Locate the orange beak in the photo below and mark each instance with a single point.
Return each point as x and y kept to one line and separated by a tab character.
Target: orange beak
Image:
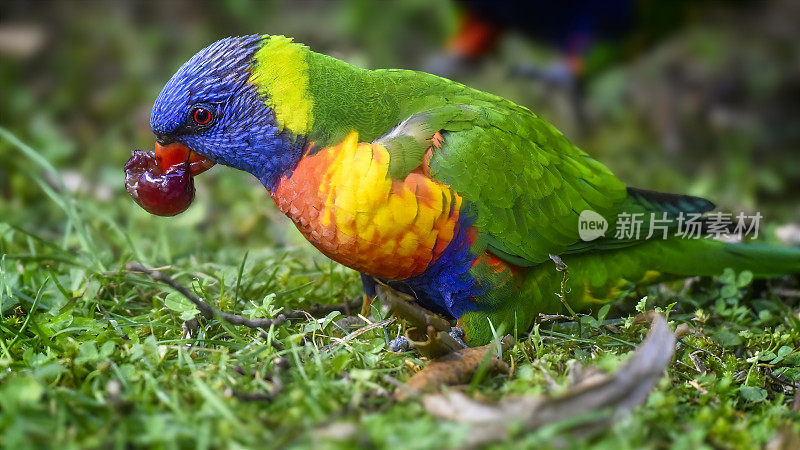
176	153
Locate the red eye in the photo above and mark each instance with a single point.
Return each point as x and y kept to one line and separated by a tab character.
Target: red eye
202	116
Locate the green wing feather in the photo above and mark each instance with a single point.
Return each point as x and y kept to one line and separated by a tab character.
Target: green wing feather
526	184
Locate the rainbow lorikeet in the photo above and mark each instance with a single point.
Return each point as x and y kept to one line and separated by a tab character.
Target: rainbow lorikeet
457	197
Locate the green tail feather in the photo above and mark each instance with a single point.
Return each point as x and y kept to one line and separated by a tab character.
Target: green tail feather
706	257
678	258
604	273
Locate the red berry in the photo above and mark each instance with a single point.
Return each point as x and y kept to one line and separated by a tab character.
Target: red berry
163	194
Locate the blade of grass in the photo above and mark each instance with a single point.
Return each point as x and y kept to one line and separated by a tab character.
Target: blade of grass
31	312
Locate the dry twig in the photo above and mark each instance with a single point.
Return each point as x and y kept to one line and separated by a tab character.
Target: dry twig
209	312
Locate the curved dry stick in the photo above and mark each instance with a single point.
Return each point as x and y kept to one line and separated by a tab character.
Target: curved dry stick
209	312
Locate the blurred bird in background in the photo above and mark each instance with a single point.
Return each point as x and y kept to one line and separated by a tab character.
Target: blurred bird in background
588	36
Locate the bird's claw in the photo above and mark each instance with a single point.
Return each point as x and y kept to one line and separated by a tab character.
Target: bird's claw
429	333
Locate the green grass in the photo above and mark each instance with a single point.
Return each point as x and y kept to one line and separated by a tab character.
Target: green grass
94	356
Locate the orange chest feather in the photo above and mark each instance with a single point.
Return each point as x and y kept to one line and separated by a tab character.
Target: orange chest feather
345	203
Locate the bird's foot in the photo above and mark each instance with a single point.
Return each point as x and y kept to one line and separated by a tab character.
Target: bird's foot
451	361
429	333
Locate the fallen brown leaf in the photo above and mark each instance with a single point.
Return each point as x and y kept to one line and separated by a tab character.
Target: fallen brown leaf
453	369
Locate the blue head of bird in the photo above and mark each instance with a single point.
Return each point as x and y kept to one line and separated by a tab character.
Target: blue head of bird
211	109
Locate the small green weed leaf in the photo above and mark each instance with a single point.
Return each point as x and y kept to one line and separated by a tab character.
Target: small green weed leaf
107	349
601	315
329	318
339	362
726	338
178	303
20	392
745	278
728	291
728	276
589	321
189	315
782	353
642	305
182	305
87	353
753	394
